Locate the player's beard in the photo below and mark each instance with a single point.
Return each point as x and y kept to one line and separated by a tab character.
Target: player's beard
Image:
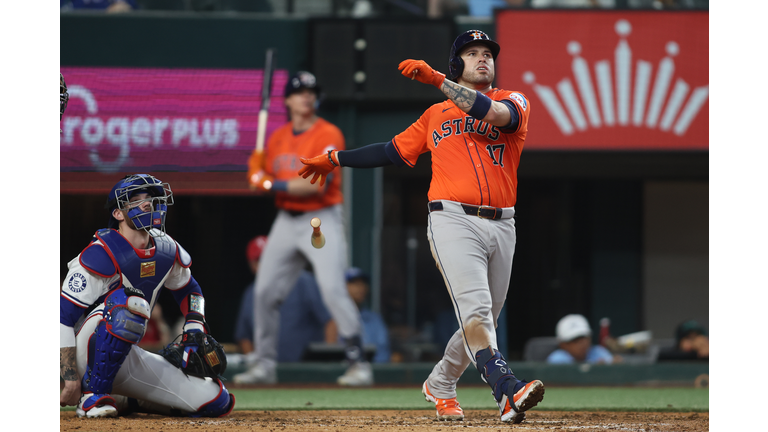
475	79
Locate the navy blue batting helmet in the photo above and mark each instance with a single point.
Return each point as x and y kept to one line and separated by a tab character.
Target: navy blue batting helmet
455	63
301	80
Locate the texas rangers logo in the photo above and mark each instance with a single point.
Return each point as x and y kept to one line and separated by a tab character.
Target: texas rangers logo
76	283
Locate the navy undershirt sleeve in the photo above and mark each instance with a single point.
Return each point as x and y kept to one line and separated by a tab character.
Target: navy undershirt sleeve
370	156
515	116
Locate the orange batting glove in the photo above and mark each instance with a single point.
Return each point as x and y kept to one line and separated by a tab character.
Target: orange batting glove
320	166
420	70
254	165
261	182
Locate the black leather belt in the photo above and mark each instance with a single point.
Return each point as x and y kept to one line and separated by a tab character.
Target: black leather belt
484	212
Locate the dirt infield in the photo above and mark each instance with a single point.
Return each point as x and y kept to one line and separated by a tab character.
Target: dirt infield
346	421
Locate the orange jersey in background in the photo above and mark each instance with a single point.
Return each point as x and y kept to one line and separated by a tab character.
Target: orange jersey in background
281	160
473	162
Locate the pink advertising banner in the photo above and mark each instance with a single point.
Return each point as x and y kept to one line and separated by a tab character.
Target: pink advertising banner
185	120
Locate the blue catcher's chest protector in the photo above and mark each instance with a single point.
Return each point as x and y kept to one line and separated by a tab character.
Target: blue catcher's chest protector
125	312
144	270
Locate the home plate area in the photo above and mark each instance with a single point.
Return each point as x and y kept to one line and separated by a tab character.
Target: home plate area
387	420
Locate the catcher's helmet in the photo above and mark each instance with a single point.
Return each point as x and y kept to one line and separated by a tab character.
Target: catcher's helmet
301	80
63	96
455	63
160	197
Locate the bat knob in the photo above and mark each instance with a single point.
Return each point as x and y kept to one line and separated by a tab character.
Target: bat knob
315	222
318	238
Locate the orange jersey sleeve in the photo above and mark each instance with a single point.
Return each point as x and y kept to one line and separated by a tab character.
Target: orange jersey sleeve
282	154
472	161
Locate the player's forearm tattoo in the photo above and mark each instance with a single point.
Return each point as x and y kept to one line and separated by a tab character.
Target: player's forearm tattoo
463	97
68	368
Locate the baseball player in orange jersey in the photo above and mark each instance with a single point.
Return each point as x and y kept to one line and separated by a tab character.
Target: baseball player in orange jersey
288	248
475	138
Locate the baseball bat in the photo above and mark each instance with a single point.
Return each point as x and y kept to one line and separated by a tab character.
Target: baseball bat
266	89
318	238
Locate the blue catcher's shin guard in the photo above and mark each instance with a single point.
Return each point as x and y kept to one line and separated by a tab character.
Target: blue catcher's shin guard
496	373
222	405
108	347
106	353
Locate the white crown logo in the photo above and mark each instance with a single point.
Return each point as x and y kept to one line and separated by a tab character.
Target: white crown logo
621	112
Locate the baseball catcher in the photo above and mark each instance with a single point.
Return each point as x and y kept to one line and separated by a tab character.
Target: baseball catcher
106	301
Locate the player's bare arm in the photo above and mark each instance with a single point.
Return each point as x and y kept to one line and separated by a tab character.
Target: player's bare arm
70	394
465	99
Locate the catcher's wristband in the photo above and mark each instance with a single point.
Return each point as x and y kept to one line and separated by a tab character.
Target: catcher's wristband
195	317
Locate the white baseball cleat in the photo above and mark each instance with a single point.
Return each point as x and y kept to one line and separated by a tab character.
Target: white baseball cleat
257	374
359	374
96	405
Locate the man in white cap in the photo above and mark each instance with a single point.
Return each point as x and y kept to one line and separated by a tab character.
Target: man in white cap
574	336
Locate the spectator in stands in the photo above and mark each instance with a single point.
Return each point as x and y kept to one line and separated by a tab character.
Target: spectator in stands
374	330
691	343
108	6
575	343
303	316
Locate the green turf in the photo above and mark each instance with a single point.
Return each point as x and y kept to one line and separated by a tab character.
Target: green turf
568	399
555	399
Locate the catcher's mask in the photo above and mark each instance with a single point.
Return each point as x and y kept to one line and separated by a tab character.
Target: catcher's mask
63	96
455	63
159	197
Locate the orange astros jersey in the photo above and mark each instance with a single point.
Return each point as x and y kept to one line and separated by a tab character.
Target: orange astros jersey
282	154
473	162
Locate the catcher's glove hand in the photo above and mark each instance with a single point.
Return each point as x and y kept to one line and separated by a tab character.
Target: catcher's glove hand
198	354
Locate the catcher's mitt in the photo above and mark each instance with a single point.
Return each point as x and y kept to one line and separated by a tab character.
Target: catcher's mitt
198	354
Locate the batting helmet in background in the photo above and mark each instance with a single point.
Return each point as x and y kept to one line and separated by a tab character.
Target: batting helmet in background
301	80
455	63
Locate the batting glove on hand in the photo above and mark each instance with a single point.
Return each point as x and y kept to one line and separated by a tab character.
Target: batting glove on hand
420	70
320	166
254	164
261	182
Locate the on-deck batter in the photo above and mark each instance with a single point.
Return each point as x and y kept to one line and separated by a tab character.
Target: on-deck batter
475	139
289	248
106	299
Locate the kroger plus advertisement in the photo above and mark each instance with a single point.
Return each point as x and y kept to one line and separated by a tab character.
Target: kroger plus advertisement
609	80
141	119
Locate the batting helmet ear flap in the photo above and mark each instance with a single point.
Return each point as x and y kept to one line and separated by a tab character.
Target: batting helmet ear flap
455	67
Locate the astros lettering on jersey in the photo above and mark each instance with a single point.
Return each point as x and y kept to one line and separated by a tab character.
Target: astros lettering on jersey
473	162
